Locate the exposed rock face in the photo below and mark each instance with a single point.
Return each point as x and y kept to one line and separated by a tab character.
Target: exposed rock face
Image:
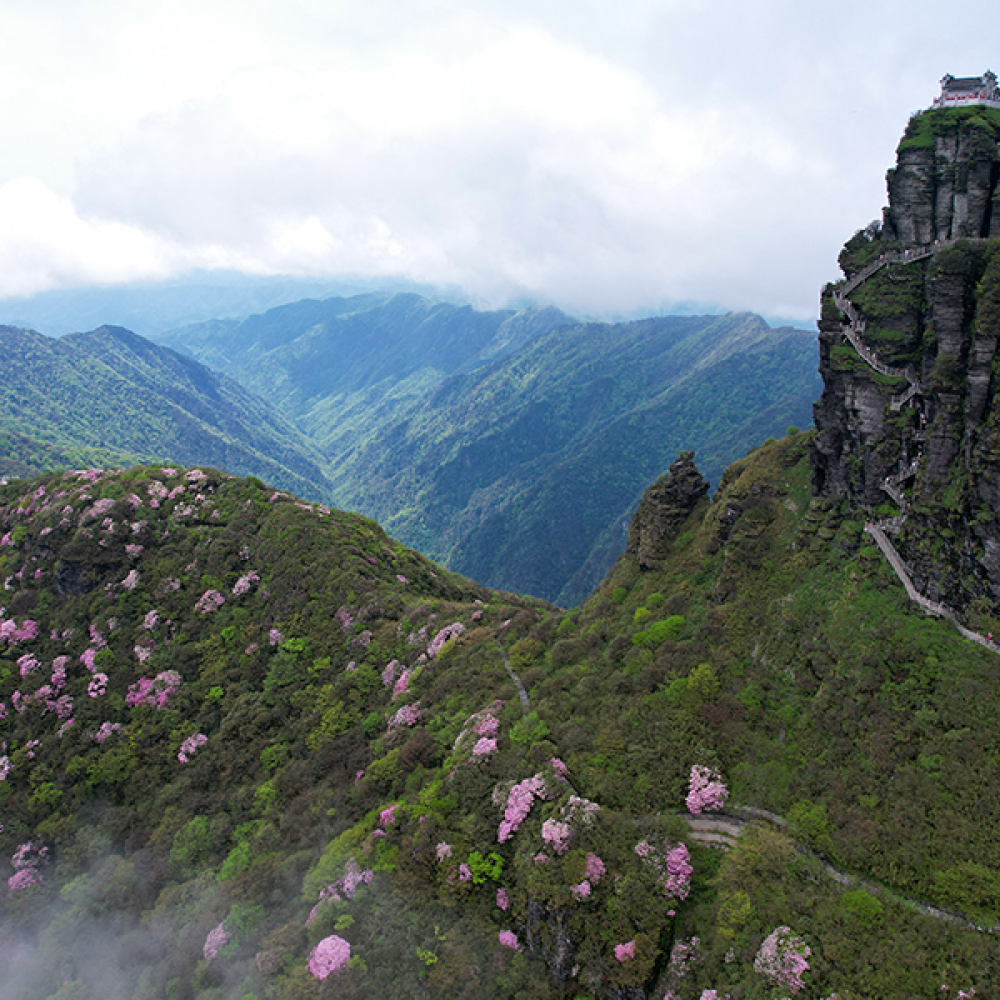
663	509
940	317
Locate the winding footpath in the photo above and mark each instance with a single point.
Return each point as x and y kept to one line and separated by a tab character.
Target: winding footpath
721	830
854	332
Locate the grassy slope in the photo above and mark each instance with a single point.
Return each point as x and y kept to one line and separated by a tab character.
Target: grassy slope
825	699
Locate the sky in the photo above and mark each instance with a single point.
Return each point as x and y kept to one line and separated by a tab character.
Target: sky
610	157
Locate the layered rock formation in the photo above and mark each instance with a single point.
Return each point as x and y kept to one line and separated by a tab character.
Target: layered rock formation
936	317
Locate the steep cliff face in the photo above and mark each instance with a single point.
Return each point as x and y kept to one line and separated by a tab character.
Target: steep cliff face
909	419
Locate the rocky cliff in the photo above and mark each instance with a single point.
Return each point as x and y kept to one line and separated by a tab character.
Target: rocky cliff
908	419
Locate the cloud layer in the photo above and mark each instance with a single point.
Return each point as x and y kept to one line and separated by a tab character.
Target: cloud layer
608	158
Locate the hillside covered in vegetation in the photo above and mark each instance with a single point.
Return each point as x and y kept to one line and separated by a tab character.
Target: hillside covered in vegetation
511	446
254	748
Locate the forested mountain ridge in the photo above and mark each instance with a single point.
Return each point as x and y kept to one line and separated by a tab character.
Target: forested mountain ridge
112	397
253	747
473	436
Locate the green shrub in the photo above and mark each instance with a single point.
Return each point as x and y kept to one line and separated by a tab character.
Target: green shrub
659	632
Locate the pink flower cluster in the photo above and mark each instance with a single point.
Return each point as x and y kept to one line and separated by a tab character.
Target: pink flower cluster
408	715
557	835
389	673
106	731
150	620
345	887
26	861
11	633
503	900
683	956
244	583
484	747
217	939
782	959
331	955
594	871
344	619
436	644
154	692
623	952
673	867
387	817
519	802
210	601
97	686
402	685
190	747
509	940
275	638
131	581
706	791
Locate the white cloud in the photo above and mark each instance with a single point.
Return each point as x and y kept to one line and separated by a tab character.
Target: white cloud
608	157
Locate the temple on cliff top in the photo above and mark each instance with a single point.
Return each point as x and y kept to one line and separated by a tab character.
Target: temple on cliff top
960	91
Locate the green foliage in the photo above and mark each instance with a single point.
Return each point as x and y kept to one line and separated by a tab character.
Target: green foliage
659	632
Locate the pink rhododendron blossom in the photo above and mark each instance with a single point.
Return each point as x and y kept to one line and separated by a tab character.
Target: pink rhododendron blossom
541	858
274	637
509	940
195	476
465	872
210	601
443	851
402	579
65	728
150	620
154	692
557	835
59	672
408	715
402	685
27	664
706	791
581	891
623	952
484	747
87	658
133	550
389	673
782	959
31	746
217	939
503	900
519	803
23	879
190	747
331	955
388	816
16	702
594	868
452	631
7	539
244	584
97	686
579	812
672	865
559	767
709	995
344	619
3	711
106	731
143	651
5	767
131	581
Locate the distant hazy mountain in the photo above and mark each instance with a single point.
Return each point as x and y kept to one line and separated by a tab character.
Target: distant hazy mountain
111	397
155	307
508	444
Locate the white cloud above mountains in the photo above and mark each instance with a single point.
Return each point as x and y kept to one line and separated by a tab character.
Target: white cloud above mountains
610	158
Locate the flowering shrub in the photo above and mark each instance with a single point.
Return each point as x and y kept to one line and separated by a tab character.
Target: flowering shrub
581	891
408	715
87	658
274	637
190	747
436	644
107	730
580	812
706	791
484	747
388	816
509	940
402	685
389	673
464	872
97	686
154	692
26	861
132	580
503	900
244	583
27	663
210	601
217	939
623	952
519	802
330	955
149	622
443	851
782	959
133	550
672	865
557	835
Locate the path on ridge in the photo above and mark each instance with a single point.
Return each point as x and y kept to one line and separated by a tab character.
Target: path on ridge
854	330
